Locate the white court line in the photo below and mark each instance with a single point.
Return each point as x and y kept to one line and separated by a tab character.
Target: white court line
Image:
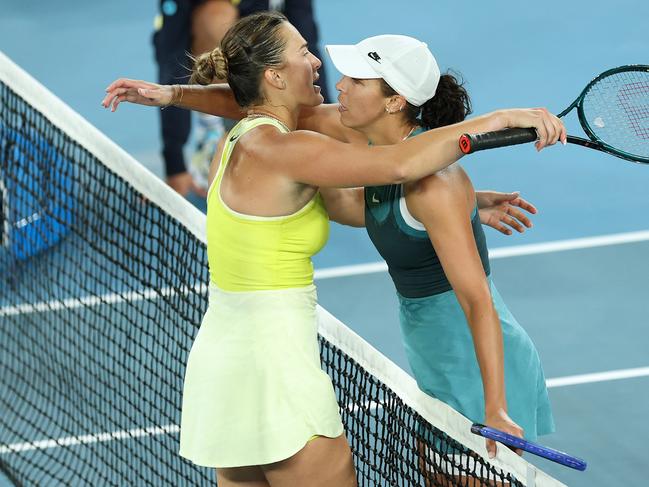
502	252
173	429
572	380
110	298
328	273
91	438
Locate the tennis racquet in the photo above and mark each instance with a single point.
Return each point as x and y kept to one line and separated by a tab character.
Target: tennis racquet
613	110
528	446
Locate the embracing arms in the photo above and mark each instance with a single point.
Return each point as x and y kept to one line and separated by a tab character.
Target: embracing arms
500	211
319	160
218	99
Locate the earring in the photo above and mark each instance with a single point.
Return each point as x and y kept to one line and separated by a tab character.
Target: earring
387	110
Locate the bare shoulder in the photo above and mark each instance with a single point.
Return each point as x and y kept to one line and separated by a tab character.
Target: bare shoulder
262	141
257	148
441	192
448	182
280	149
269	139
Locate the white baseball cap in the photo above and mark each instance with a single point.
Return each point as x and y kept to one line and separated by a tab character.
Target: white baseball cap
405	63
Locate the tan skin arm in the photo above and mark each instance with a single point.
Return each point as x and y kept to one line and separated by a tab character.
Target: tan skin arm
215	99
497	210
218	99
292	166
345	206
325	119
442	205
318	160
320	118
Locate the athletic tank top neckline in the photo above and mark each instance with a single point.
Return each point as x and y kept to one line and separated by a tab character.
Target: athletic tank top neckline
233	137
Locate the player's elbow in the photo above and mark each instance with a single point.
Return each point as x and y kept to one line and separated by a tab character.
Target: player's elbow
394	166
476	303
400	173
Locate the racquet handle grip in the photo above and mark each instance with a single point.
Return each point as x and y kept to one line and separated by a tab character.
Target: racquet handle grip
500	138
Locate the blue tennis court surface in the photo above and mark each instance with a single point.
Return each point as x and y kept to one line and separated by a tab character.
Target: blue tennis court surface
584	302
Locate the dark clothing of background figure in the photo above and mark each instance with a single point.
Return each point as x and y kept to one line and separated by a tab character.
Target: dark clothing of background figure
172	42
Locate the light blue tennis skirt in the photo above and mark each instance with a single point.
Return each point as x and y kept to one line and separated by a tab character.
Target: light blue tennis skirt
440	351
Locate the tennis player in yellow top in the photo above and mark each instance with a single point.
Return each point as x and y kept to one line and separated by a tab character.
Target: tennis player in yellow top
256	404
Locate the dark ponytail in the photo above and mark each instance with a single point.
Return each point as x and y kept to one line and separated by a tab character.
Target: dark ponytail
451	104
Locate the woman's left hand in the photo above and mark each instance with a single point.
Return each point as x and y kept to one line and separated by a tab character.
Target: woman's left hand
501	211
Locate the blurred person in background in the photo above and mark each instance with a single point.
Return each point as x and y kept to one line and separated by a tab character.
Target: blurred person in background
185	29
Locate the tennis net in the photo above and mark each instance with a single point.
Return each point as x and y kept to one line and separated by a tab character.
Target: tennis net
102	287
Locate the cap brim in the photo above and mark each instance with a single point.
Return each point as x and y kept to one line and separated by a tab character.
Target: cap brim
350	62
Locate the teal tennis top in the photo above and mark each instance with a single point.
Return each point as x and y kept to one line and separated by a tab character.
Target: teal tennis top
404	244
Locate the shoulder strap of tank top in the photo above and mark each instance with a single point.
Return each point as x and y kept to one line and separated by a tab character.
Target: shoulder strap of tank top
244	126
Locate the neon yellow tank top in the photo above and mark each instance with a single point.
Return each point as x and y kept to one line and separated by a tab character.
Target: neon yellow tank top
253	253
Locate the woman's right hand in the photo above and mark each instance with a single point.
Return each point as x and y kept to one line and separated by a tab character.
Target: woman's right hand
500	420
549	128
139	92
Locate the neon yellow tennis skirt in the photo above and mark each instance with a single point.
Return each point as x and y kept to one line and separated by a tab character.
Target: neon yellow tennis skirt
254	391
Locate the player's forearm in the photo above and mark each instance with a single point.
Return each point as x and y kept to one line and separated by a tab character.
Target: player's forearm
215	99
488	344
345	206
482	199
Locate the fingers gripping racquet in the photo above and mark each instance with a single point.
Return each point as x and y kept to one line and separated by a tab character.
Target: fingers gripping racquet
613	110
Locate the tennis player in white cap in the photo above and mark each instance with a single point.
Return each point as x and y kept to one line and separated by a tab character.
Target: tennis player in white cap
463	344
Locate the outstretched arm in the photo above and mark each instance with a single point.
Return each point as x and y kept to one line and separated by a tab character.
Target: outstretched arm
218	99
318	160
215	99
